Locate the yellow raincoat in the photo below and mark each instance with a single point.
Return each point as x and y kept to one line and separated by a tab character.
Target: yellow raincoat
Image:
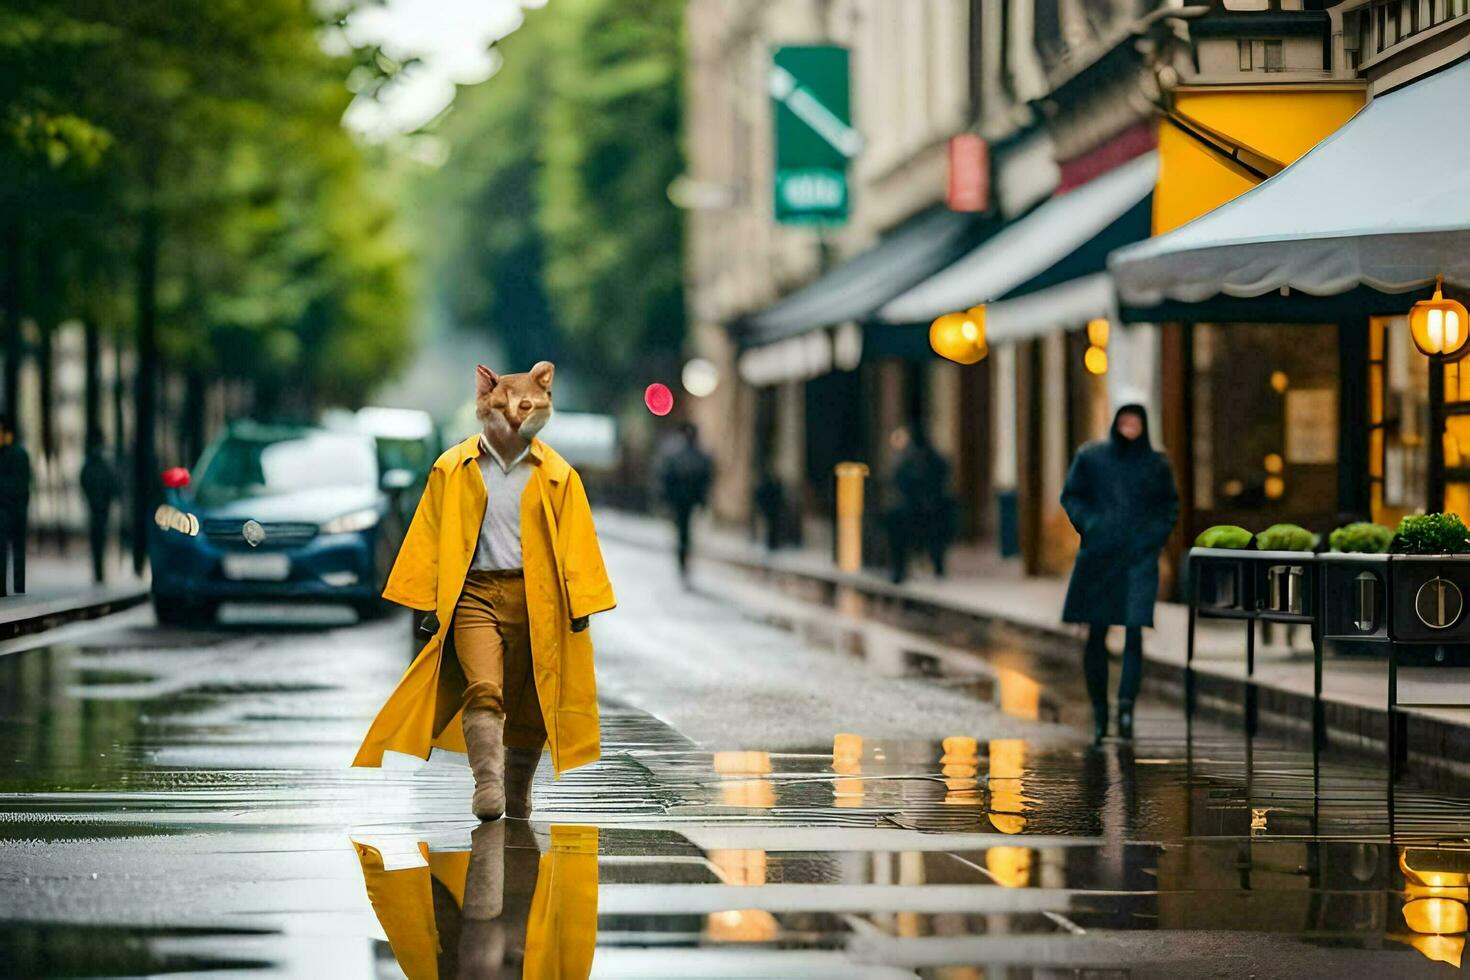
565	580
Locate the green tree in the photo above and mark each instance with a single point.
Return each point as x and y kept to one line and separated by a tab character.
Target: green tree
550	222
183	167
611	149
484	248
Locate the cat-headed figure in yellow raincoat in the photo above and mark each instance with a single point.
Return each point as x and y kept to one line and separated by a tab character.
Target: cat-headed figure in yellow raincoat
502	561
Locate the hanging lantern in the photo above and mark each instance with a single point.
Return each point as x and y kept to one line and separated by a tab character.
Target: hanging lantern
960	337
1095	360
1097	332
1439	326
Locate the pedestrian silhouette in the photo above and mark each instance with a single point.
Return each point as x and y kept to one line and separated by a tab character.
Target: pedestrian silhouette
100	487
686	479
15	503
1120	497
921	512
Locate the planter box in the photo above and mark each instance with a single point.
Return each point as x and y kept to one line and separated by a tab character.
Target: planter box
1355	598
1223	583
1427	598
1274	585
1285	585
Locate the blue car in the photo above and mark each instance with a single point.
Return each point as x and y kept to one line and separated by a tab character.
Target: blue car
277	513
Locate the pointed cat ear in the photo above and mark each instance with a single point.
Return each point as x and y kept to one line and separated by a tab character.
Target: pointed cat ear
485	380
542	372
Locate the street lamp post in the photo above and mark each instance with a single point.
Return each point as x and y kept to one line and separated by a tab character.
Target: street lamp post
1440	328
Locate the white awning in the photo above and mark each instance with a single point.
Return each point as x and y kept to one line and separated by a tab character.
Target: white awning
805	356
1029	247
1381	203
1061	307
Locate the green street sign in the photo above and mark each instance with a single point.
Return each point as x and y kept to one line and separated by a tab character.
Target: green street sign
810	104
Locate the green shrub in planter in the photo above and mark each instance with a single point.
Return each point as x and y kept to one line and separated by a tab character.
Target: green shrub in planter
1432	534
1224	536
1362	537
1286	537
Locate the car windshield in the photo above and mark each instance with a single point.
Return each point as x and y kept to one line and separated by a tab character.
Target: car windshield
246	466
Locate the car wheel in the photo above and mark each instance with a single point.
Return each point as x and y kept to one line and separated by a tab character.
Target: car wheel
170	611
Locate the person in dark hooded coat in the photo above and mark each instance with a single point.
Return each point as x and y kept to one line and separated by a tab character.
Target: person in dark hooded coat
1120	497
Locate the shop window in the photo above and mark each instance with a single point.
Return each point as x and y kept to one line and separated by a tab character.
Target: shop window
1244	49
1274	60
1265	425
1089	413
1398	410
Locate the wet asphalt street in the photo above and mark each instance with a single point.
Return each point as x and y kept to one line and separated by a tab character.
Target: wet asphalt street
785	792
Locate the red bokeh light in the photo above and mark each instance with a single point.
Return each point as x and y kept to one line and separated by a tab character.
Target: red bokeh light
658	398
175	477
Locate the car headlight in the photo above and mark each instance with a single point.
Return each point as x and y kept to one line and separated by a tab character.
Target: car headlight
358	520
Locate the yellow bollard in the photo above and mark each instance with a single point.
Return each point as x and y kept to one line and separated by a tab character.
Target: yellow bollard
850	477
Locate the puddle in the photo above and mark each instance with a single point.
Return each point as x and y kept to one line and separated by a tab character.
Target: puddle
189	809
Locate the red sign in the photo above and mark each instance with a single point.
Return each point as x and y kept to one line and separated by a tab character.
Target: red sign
969	173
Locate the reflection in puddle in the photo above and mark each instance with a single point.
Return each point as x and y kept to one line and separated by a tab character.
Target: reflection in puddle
757	792
745	867
502	909
1435	896
1199	847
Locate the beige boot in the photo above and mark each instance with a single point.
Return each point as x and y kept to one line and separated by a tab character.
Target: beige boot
484	738
520	771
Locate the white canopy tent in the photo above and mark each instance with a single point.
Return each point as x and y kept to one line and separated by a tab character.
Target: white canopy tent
1384	202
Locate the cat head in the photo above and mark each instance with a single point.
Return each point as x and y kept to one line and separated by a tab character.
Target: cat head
519	403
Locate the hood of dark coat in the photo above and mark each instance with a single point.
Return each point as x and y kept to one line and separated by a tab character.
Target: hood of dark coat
1142	442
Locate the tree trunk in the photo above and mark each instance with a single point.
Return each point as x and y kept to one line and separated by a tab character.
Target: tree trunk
192	438
12	300
145	480
92	384
120	449
45	305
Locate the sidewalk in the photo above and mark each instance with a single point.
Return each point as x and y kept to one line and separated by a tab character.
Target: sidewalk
59	589
984	592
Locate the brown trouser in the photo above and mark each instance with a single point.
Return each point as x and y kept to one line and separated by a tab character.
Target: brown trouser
492	636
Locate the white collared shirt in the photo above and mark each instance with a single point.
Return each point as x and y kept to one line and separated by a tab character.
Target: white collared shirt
500	530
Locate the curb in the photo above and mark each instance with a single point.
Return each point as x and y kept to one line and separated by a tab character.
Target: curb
42	616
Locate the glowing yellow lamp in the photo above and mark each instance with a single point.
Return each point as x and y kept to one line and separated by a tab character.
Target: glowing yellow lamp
1275	487
1438	325
1097	332
1273	462
1095	360
1279	382
960	337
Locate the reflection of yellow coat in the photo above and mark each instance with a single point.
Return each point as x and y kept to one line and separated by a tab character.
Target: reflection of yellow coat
561	922
565	580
